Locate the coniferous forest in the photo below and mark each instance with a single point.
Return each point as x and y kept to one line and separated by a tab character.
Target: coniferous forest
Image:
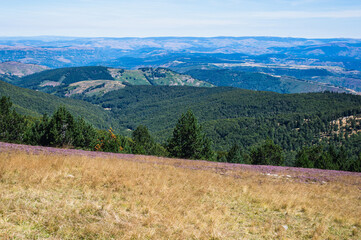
336	148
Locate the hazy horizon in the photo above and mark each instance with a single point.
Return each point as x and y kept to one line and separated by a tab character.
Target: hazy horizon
145	37
160	18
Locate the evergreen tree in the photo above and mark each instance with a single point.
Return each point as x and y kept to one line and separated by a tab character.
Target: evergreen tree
303	158
143	142
221	156
84	134
237	155
12	125
36	132
355	164
317	157
267	153
207	152
234	155
188	141
60	131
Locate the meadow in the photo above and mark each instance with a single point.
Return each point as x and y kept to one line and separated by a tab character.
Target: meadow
49	193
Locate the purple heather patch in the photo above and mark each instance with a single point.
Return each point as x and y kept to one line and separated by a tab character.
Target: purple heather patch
306	175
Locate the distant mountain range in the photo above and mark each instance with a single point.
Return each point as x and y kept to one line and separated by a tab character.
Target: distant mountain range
327	61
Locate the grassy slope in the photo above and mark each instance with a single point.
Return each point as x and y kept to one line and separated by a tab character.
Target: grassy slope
164	76
73	195
35	103
134	77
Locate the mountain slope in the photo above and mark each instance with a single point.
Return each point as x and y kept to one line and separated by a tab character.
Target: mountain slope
260	81
229	114
36	103
20	69
64	76
99	80
331	75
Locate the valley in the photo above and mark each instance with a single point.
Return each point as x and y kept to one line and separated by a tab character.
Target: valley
335	62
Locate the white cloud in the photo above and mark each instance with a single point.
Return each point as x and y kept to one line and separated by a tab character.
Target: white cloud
304	14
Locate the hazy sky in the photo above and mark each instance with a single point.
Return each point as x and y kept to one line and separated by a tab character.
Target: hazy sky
146	18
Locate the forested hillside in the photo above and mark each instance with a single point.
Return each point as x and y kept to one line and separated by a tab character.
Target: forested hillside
188	140
261	81
36	103
97	80
232	118
231	115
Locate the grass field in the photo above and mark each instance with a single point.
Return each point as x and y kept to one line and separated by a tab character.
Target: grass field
50	193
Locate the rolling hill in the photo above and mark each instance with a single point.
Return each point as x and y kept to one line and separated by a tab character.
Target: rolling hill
99	80
305	59
35	103
347	79
20	69
228	115
231	115
11	71
261	81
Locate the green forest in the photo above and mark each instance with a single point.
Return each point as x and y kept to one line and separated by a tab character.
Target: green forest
235	116
188	140
261	81
321	130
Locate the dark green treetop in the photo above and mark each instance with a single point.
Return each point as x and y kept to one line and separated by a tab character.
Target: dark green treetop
188	141
267	153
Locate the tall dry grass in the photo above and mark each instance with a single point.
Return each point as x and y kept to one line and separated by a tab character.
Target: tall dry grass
77	197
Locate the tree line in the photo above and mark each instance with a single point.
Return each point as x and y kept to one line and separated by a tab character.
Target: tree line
188	141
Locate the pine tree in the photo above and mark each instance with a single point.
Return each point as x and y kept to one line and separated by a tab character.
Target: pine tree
84	134
12	125
36	132
188	141
267	153
303	158
143	142
60	131
234	155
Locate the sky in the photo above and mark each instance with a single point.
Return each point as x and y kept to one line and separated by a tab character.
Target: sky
198	18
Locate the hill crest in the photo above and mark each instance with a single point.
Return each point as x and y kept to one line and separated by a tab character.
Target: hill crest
98	80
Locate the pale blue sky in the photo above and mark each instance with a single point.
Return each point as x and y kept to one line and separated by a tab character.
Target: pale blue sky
141	18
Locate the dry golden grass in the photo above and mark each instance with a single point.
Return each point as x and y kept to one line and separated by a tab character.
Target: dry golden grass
77	197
